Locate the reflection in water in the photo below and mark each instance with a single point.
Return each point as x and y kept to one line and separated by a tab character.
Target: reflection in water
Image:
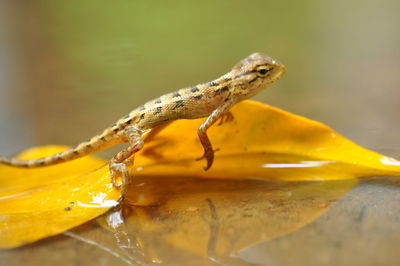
177	220
363	221
213	223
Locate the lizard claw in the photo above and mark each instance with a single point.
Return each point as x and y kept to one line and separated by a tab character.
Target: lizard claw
209	156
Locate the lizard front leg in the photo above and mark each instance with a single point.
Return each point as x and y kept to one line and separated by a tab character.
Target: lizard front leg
202	132
119	164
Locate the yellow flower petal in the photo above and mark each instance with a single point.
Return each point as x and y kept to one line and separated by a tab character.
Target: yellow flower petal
36	203
261	142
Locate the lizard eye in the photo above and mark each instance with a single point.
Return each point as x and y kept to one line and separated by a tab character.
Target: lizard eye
263	70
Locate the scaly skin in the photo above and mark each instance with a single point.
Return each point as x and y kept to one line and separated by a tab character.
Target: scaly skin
212	100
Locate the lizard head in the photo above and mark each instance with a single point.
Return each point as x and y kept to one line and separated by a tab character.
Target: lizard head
254	73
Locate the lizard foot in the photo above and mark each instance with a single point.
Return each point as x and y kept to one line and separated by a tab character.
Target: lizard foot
209	156
225	118
119	174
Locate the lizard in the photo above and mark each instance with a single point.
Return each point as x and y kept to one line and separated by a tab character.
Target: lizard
212	100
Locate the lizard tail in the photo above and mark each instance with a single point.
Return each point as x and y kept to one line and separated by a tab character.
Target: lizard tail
69	154
28	163
72	153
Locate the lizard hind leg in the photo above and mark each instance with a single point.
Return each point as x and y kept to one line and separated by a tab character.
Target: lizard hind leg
119	165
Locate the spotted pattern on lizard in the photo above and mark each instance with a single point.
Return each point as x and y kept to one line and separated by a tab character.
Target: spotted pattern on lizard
211	99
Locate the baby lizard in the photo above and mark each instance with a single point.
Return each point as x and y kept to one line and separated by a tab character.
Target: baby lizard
212	100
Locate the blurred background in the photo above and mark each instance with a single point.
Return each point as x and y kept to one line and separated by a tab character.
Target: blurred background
68	69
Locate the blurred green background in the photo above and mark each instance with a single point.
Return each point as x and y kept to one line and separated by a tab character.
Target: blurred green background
70	68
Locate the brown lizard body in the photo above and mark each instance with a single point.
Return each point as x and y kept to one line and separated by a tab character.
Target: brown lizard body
212	100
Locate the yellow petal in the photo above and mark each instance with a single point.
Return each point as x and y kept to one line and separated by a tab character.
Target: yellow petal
36	203
261	142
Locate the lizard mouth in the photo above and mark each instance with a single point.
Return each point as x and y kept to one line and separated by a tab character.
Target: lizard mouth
277	73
